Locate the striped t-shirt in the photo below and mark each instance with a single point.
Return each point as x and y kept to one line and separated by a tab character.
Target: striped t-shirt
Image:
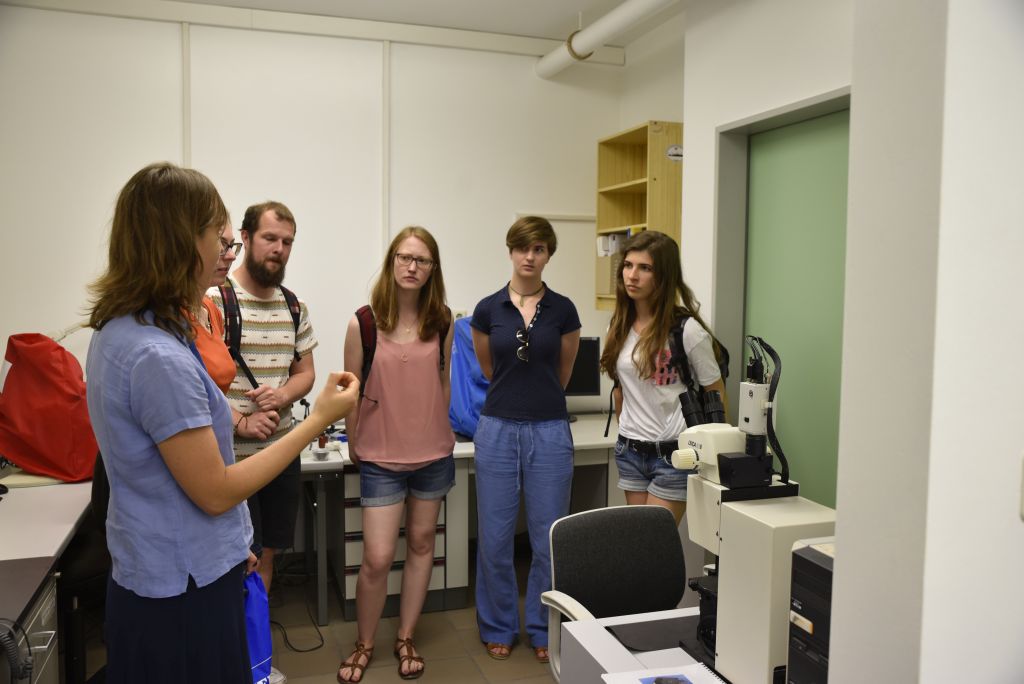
268	345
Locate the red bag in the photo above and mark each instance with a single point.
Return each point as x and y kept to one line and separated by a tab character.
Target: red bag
44	419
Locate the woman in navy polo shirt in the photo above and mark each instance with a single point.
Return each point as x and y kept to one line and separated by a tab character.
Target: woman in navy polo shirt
178	528
525	337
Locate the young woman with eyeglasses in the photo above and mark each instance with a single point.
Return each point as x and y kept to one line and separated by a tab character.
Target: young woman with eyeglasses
178	529
525	336
402	440
650	297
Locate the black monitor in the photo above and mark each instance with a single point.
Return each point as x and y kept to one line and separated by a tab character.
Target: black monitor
585	380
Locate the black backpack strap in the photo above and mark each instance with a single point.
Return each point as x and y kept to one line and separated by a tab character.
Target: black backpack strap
296	311
611	407
678	354
443	335
232	317
675	341
233	329
368	337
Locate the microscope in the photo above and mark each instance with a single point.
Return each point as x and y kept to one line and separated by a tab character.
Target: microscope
748	516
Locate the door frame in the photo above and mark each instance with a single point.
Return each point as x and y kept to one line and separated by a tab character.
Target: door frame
732	146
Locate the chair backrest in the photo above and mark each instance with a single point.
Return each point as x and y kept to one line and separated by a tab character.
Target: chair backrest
620	560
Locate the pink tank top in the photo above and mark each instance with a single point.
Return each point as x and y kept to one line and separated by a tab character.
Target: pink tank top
403	416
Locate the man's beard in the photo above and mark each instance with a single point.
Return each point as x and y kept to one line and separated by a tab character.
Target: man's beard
263	276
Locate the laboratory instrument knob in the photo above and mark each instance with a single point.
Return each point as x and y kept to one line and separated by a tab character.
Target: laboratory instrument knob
684	459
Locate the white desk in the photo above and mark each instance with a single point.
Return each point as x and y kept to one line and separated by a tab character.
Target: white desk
39	521
591	448
590	651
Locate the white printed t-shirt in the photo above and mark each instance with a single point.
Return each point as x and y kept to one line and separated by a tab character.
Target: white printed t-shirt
650	406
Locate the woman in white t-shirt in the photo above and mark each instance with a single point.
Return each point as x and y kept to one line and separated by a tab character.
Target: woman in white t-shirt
650	299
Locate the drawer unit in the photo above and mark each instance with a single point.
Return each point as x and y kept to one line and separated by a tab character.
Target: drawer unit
40	629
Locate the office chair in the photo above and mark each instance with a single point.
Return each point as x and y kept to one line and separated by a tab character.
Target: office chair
612	561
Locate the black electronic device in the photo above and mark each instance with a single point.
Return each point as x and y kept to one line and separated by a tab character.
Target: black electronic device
810	607
585	380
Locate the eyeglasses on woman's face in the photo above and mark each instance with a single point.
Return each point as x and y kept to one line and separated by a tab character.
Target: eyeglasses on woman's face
409	259
233	247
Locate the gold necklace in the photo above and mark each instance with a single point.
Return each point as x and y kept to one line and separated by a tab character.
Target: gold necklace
524	295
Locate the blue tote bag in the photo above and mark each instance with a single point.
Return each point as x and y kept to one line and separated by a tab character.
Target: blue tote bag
257	628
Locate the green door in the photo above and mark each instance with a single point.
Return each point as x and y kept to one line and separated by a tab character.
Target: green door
796	250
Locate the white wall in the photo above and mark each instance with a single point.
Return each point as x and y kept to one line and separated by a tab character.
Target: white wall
741	59
298	119
980	243
87	101
932	260
652	77
477	138
934	237
339	129
893	211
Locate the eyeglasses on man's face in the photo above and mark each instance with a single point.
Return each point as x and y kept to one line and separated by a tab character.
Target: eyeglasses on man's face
409	259
233	247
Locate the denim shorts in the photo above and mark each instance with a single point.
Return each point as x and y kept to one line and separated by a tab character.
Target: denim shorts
654	474
382	487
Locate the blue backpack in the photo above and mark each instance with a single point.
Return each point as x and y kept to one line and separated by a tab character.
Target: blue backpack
469	386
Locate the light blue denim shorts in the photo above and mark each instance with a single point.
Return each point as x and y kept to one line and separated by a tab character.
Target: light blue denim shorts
649	473
382	487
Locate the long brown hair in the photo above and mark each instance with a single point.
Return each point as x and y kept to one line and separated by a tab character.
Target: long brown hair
671	299
153	258
384	300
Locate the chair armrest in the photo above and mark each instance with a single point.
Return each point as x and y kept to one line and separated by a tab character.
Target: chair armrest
566	605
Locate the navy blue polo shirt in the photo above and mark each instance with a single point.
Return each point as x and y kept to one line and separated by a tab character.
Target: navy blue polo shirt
525	390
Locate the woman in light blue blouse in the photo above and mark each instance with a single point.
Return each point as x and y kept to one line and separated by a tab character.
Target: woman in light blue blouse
177	525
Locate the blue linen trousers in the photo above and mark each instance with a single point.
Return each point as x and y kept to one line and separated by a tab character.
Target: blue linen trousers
531	460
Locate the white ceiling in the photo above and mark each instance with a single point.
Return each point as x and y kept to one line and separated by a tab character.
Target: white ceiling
554	19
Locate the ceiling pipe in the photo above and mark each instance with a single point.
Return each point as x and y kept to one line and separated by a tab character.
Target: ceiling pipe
582	43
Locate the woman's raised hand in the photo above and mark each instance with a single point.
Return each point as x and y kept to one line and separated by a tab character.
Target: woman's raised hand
337	398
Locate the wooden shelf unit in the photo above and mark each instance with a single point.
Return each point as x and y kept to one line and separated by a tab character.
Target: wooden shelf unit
638	188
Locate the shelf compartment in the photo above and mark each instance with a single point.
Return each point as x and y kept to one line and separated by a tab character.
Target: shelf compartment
619	210
631	229
636	186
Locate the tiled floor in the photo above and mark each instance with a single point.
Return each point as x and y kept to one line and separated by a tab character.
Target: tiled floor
448	641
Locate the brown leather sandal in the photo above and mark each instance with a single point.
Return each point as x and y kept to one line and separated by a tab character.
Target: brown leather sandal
407	660
353	664
498	651
541	652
